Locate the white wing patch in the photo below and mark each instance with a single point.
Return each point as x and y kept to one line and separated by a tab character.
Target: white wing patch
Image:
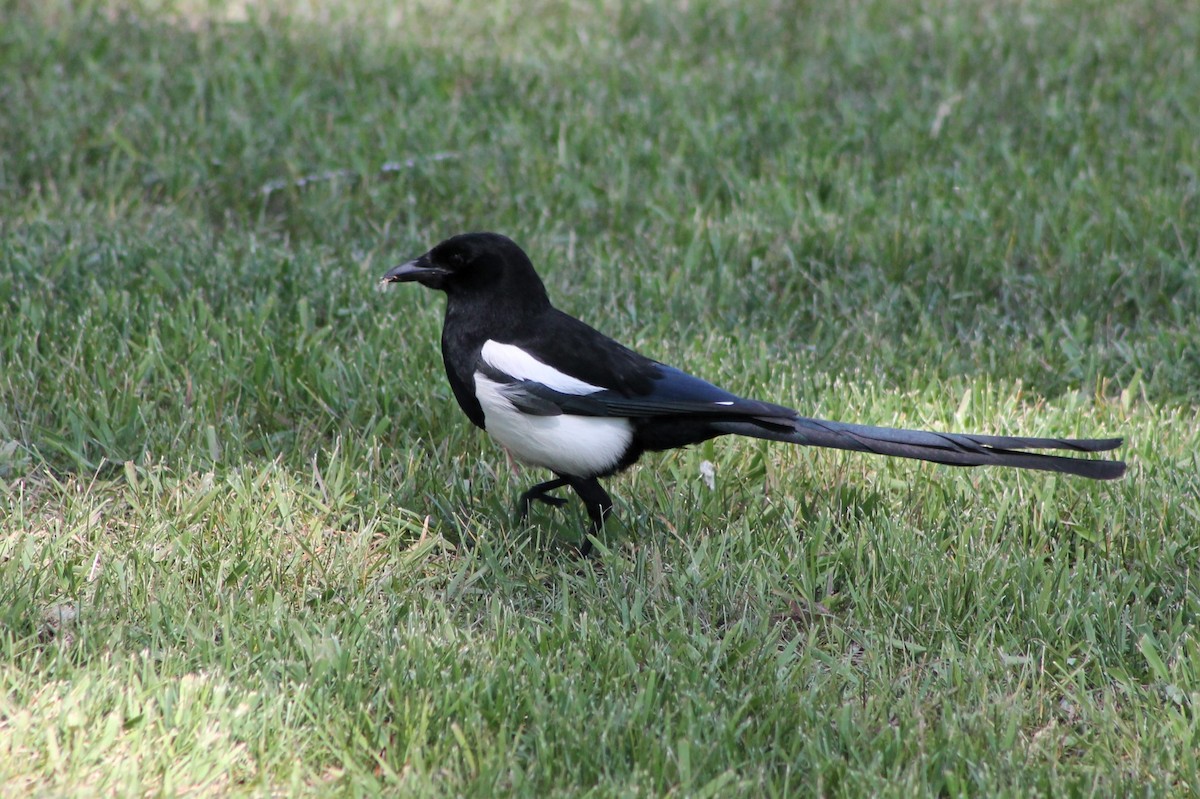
512	360
580	446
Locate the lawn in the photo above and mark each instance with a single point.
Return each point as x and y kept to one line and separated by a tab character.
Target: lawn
235	487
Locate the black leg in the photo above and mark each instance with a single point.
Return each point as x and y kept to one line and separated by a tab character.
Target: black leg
539	494
598	503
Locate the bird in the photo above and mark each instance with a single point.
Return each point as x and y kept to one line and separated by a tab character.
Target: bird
558	394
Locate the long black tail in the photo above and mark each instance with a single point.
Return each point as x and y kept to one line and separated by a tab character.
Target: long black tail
955	449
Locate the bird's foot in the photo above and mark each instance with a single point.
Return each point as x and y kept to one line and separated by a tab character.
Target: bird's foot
539	493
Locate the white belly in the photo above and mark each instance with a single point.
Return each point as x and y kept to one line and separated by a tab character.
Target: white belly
579	446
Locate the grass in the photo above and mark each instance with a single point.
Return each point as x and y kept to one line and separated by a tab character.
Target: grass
234	484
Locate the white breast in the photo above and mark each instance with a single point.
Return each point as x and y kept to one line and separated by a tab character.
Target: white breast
580	446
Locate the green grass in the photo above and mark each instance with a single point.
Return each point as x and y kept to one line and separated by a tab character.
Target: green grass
234	483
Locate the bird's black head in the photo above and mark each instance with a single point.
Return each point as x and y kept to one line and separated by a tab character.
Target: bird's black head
485	264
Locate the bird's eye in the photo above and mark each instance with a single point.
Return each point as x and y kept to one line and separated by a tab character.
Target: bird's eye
458	259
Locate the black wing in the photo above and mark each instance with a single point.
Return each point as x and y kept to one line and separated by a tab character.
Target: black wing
671	392
632	384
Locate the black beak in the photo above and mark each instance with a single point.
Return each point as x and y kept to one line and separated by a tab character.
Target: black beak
418	269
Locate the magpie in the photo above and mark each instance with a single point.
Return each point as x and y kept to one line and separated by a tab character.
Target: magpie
559	394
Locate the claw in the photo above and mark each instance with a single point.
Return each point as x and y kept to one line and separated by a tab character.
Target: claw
539	494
